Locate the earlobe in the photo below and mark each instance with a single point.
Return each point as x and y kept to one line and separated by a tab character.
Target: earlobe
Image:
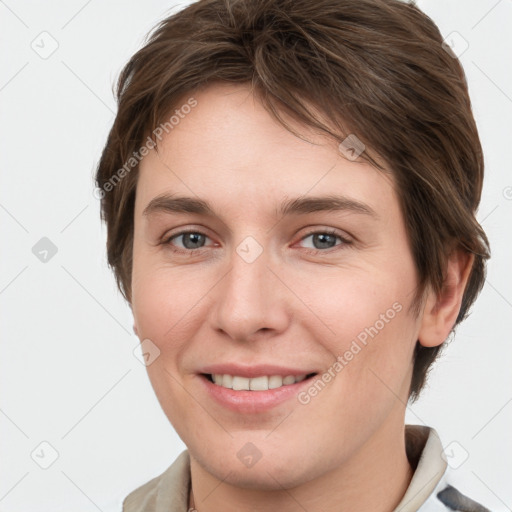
441	310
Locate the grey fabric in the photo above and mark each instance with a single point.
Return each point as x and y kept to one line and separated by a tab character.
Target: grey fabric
455	500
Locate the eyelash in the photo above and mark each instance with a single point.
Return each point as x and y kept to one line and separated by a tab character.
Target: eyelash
345	241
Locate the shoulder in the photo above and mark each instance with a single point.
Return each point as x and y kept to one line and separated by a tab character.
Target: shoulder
166	492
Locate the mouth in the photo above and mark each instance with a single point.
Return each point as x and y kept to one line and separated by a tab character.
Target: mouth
256	384
254	395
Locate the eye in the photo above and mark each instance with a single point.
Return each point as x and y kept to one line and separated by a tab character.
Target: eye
325	239
191	241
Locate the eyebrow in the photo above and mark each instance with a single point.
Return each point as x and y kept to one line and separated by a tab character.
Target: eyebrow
298	206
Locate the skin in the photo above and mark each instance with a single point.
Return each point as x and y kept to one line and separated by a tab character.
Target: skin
345	449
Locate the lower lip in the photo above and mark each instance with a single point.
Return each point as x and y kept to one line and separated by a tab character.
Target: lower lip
252	401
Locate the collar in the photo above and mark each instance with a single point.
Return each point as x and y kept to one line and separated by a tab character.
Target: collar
424	451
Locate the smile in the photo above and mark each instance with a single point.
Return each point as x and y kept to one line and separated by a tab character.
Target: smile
253	394
261	383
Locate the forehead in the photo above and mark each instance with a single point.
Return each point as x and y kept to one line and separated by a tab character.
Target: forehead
229	149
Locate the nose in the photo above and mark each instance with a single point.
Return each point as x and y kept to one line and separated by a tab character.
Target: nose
251	301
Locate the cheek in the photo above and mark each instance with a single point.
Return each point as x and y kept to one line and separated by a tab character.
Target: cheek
164	302
364	322
349	303
164	308
376	360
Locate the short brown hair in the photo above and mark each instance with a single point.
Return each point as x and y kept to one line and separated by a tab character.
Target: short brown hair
374	68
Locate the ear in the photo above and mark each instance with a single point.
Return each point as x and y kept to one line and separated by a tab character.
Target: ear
135	329
441	311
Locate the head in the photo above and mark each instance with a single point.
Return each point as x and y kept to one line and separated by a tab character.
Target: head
254	107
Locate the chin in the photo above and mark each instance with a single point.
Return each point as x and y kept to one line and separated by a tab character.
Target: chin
276	467
264	476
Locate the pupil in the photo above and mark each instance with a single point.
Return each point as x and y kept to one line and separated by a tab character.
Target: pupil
194	237
324	238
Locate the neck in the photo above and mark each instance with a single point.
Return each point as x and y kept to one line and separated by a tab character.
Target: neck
375	478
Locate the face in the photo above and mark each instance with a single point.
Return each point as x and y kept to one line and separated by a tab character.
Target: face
269	282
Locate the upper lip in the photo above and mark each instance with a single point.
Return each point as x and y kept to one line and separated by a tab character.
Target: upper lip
255	370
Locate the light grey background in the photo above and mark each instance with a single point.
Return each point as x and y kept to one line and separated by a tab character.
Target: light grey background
68	374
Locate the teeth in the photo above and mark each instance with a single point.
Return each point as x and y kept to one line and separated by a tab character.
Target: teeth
239	383
276	381
259	383
263	383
